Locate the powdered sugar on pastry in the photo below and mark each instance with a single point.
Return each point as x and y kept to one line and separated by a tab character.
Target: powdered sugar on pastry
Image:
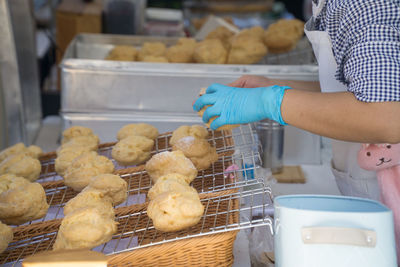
170	162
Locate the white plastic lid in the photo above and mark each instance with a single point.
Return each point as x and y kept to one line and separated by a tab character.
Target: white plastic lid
165	14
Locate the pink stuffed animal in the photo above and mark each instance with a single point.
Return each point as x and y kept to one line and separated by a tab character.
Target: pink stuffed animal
385	160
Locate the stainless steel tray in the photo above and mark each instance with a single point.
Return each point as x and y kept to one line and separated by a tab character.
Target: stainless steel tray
90	83
105	95
152	87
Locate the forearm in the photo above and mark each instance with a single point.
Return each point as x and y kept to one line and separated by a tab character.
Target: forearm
341	116
313	86
251	81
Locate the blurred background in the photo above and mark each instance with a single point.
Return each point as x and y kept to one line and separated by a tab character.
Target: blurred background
36	34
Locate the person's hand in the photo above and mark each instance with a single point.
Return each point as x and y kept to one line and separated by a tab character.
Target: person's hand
235	105
252	81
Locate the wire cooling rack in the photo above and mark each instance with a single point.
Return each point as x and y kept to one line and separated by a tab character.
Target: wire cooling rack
223	209
221	188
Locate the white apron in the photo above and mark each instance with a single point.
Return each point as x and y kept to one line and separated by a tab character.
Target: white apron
350	178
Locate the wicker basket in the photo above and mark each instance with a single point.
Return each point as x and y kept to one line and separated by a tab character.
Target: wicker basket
212	250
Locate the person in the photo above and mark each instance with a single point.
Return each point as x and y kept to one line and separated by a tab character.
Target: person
357	46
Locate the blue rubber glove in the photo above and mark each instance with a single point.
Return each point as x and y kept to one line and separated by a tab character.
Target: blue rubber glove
241	105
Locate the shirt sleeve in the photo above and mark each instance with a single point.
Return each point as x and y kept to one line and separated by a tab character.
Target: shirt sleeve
371	67
365	37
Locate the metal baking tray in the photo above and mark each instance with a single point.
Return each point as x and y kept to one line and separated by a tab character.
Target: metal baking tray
105	95
90	83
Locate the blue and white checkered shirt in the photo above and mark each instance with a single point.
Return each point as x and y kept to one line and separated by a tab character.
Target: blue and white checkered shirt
365	37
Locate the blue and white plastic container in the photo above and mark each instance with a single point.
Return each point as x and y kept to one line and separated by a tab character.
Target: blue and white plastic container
333	231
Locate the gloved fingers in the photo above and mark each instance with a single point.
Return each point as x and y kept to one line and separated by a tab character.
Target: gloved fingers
218	122
215	87
204	100
210	112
